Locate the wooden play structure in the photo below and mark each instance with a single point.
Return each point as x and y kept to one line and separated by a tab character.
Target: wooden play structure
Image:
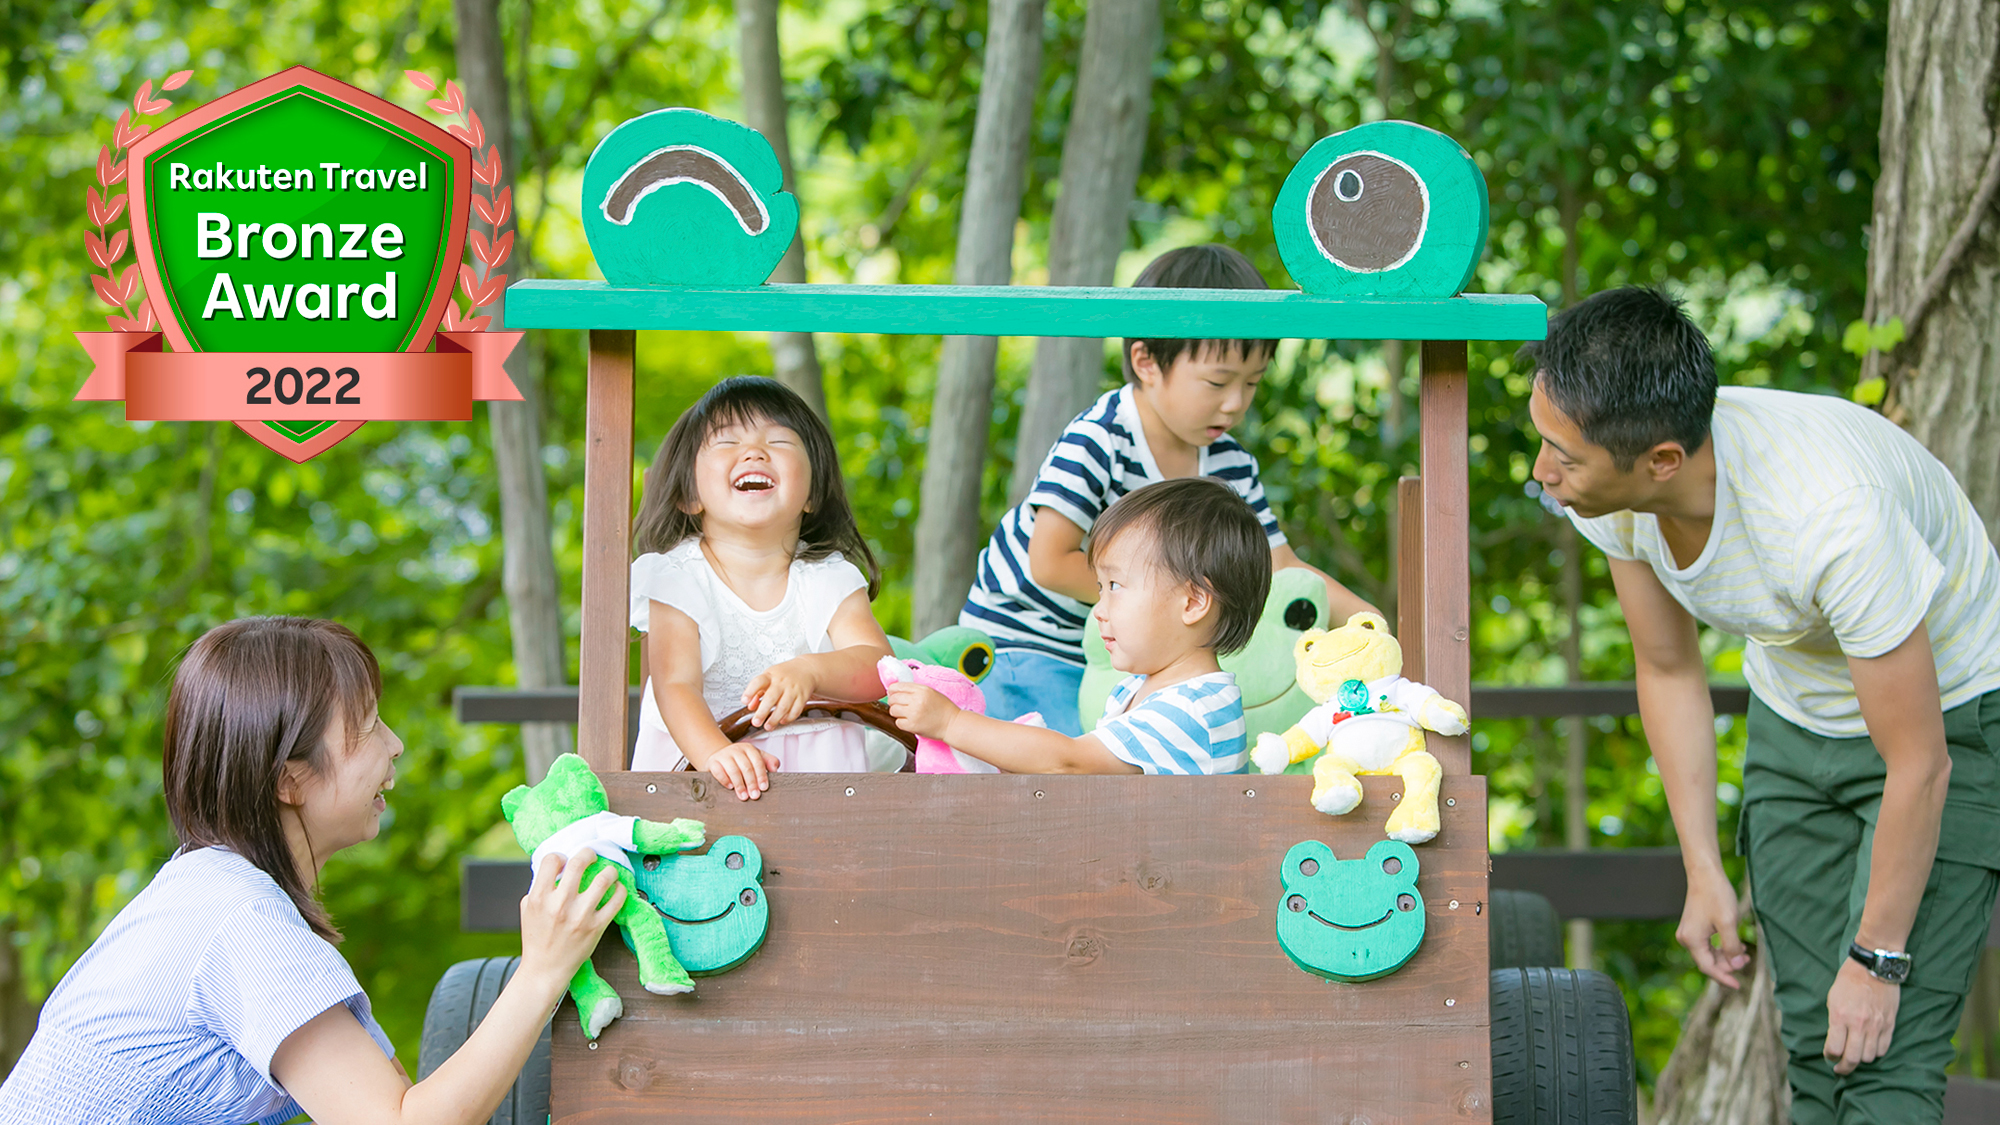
1033	948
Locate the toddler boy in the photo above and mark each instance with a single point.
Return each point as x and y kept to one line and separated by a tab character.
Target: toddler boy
1182	569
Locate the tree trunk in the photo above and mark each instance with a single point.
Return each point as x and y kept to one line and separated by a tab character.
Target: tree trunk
1934	254
17	1015
794	360
1934	262
949	527
534	607
1729	1066
1581	948
1100	170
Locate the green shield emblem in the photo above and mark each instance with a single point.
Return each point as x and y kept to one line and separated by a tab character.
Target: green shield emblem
299	214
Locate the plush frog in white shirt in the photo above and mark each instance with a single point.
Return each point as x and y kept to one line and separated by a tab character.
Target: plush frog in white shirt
1370	720
567	812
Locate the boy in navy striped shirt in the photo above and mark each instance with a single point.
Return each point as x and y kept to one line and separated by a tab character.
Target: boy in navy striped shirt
1181	569
1171	419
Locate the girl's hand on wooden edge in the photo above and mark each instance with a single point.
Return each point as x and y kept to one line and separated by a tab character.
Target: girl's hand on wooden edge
561	919
921	710
744	768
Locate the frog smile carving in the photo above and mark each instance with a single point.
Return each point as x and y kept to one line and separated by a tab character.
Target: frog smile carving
713	905
1353	919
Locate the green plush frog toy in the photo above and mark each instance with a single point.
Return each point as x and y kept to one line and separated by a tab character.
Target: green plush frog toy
568	813
1264	669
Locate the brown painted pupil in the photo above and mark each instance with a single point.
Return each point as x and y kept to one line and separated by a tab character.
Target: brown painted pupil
683	164
1406	902
1295	903
748	897
1367	212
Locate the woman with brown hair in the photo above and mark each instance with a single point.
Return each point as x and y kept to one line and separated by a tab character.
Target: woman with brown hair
216	994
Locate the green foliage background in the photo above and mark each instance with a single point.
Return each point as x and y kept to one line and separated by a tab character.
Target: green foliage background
1725	149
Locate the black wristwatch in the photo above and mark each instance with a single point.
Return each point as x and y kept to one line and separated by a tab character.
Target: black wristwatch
1882	964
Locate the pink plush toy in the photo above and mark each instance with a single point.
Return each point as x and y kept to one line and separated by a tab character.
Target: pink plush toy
934	756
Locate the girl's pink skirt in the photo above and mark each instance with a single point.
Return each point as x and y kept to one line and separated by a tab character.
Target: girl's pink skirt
819	746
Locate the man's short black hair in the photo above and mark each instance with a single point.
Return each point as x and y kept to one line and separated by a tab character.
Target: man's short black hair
1631	370
1203	534
1212	266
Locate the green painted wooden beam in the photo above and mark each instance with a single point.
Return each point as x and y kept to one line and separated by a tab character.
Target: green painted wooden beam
1024	310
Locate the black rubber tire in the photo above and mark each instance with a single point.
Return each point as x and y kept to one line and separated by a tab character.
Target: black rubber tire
1562	1049
460	1000
1522	932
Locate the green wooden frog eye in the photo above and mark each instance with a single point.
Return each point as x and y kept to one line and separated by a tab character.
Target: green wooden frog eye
1387	209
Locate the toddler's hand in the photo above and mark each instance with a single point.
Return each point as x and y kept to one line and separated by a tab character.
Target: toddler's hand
778	695
744	768
921	710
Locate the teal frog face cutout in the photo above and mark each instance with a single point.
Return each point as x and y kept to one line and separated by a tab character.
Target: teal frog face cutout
713	904
679	197
1350	919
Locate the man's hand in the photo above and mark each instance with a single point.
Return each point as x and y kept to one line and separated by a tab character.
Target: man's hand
1860	1017
921	710
1711	913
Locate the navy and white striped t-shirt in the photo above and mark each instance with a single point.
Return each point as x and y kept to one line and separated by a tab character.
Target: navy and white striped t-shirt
174	1013
1101	456
1194	727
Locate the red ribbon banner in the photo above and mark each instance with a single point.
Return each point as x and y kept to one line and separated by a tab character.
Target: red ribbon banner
164	386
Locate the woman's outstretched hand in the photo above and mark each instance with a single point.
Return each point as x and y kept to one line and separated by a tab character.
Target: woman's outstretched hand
562	920
341	1077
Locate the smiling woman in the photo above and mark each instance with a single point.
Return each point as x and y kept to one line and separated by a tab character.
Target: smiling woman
217	994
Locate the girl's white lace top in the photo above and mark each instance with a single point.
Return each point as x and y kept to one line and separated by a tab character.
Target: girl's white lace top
738	642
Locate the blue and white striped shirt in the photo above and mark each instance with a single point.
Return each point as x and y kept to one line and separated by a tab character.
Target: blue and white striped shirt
1193	727
172	1016
1101	456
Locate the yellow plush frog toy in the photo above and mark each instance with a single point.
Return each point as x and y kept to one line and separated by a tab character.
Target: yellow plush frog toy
1370	720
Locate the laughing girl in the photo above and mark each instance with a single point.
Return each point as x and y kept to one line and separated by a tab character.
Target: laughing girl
748	593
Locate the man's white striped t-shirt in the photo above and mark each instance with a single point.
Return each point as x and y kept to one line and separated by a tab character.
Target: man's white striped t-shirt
1194	727
1101	456
1835	533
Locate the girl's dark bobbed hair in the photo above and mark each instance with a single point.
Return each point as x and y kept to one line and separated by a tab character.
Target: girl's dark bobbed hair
250	696
666	511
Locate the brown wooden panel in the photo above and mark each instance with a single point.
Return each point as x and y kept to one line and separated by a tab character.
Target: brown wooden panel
1072	949
1447	558
1410	574
603	668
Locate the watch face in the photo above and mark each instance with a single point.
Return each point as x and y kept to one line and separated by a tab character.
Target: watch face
1892	967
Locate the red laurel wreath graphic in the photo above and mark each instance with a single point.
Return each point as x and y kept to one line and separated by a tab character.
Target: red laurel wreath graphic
120	288
482	285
